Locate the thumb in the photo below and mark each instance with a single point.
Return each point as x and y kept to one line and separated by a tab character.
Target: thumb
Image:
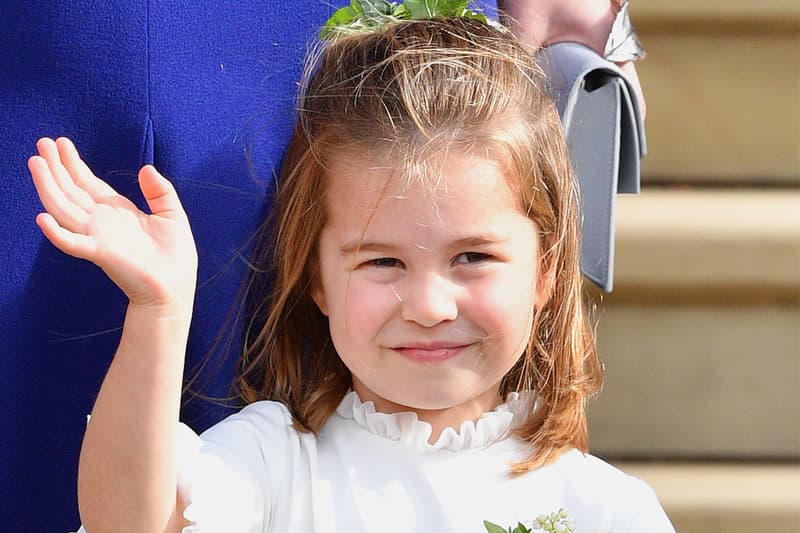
159	193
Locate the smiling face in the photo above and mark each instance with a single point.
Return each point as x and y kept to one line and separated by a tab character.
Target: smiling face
429	293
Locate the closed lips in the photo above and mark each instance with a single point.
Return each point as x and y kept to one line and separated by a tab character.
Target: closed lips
431	351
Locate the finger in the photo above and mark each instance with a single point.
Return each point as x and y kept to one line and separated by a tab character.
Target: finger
65	212
48	150
81	173
160	194
74	244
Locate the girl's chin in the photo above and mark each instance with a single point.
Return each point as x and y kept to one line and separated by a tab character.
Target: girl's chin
433	399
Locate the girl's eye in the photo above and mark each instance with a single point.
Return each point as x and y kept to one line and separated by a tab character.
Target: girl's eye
470	257
384	262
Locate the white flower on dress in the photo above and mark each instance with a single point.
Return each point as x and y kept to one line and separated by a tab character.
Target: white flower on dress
556	522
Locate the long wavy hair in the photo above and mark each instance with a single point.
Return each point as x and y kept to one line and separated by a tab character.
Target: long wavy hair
417	88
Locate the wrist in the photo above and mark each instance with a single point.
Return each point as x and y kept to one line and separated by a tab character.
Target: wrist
588	24
173	314
153	346
171	296
545	22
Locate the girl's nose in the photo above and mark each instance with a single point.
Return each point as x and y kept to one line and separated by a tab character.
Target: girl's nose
429	300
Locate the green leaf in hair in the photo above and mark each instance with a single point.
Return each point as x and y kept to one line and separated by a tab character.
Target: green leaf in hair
365	15
376	8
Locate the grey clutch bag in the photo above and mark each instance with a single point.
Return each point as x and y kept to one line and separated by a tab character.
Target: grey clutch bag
606	139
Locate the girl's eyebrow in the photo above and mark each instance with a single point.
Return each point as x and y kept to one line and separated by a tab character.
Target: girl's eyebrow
358	245
473	241
479	240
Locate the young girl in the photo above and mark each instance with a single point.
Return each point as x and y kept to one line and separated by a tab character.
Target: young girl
420	359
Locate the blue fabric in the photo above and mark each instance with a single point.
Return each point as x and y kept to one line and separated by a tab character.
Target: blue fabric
204	91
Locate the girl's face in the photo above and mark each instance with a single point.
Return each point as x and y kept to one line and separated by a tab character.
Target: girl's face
429	291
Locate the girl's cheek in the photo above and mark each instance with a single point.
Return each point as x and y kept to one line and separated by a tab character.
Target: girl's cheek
502	303
498	302
367	301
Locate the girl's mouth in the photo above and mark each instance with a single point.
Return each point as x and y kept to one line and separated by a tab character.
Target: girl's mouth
430	353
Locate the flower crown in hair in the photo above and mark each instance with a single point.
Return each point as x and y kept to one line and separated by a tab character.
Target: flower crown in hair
367	15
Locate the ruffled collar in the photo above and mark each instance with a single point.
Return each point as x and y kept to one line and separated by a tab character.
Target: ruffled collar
407	428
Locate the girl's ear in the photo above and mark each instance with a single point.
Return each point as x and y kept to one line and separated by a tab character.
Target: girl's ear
318	295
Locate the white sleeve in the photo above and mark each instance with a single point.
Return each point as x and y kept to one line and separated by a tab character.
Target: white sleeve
646	512
227	476
223	474
607	499
221	490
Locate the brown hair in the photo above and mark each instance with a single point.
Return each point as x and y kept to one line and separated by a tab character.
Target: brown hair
412	86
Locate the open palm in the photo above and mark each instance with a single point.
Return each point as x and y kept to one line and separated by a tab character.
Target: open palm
151	257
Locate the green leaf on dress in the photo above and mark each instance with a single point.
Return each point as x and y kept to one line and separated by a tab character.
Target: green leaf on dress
494	528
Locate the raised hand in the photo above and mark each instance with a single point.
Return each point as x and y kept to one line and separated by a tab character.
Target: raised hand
151	257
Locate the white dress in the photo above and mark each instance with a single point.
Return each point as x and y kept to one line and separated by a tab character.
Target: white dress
370	472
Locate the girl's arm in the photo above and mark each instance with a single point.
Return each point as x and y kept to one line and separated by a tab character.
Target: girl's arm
127	472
